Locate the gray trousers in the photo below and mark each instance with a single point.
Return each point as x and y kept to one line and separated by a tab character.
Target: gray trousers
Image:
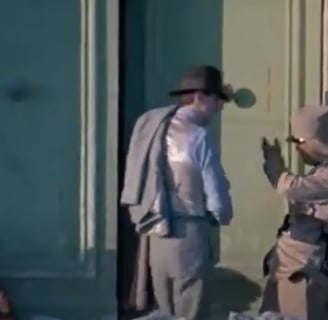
180	266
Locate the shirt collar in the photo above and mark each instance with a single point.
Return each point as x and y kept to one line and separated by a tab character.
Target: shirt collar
189	114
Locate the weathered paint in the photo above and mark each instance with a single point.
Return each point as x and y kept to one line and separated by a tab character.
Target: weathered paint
59	156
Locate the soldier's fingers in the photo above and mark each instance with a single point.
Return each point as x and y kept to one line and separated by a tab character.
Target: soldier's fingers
277	144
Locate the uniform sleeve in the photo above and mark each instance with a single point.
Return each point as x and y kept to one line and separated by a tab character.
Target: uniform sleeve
310	187
216	185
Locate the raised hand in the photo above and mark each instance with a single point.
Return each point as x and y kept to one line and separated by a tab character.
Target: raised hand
273	160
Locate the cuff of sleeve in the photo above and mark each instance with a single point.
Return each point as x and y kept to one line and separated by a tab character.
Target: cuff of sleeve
221	219
282	182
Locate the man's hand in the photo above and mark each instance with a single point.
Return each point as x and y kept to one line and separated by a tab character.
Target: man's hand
212	221
274	164
216	219
271	150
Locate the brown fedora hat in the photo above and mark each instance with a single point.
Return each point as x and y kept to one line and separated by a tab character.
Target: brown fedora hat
203	78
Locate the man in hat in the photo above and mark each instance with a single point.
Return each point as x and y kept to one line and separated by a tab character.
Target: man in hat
173	178
298	283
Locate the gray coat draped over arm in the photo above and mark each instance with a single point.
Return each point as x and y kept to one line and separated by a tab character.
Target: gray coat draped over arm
142	164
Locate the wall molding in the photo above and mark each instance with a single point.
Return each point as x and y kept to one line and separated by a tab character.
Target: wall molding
304	60
112	121
84	262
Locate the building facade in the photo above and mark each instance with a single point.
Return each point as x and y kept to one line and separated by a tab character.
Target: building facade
74	77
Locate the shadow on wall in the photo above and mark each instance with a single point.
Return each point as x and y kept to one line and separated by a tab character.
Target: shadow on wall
244	98
231	291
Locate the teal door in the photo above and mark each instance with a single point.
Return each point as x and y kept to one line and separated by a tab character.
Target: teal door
57	250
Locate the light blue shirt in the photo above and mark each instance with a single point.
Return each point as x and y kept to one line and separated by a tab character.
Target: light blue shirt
200	183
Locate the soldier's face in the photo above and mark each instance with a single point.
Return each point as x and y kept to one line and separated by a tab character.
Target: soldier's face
307	153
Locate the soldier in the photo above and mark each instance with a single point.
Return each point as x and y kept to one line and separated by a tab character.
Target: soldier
297	283
173	178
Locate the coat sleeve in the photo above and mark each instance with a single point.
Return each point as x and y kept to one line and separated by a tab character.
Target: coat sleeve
215	182
310	187
131	187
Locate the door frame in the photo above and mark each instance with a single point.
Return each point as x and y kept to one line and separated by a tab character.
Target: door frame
324	83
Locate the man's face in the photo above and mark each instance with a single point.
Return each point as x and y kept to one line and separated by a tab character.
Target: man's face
210	104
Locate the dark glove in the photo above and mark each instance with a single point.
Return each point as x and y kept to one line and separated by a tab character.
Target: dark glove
274	164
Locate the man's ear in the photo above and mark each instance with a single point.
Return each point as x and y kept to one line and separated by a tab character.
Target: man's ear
197	98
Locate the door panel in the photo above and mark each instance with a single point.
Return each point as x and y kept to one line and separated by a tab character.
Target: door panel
267	53
57	156
40	135
255	58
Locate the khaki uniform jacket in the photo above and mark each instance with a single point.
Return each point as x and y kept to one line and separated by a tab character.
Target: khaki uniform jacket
301	248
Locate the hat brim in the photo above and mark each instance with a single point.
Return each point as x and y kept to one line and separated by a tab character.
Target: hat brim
222	94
